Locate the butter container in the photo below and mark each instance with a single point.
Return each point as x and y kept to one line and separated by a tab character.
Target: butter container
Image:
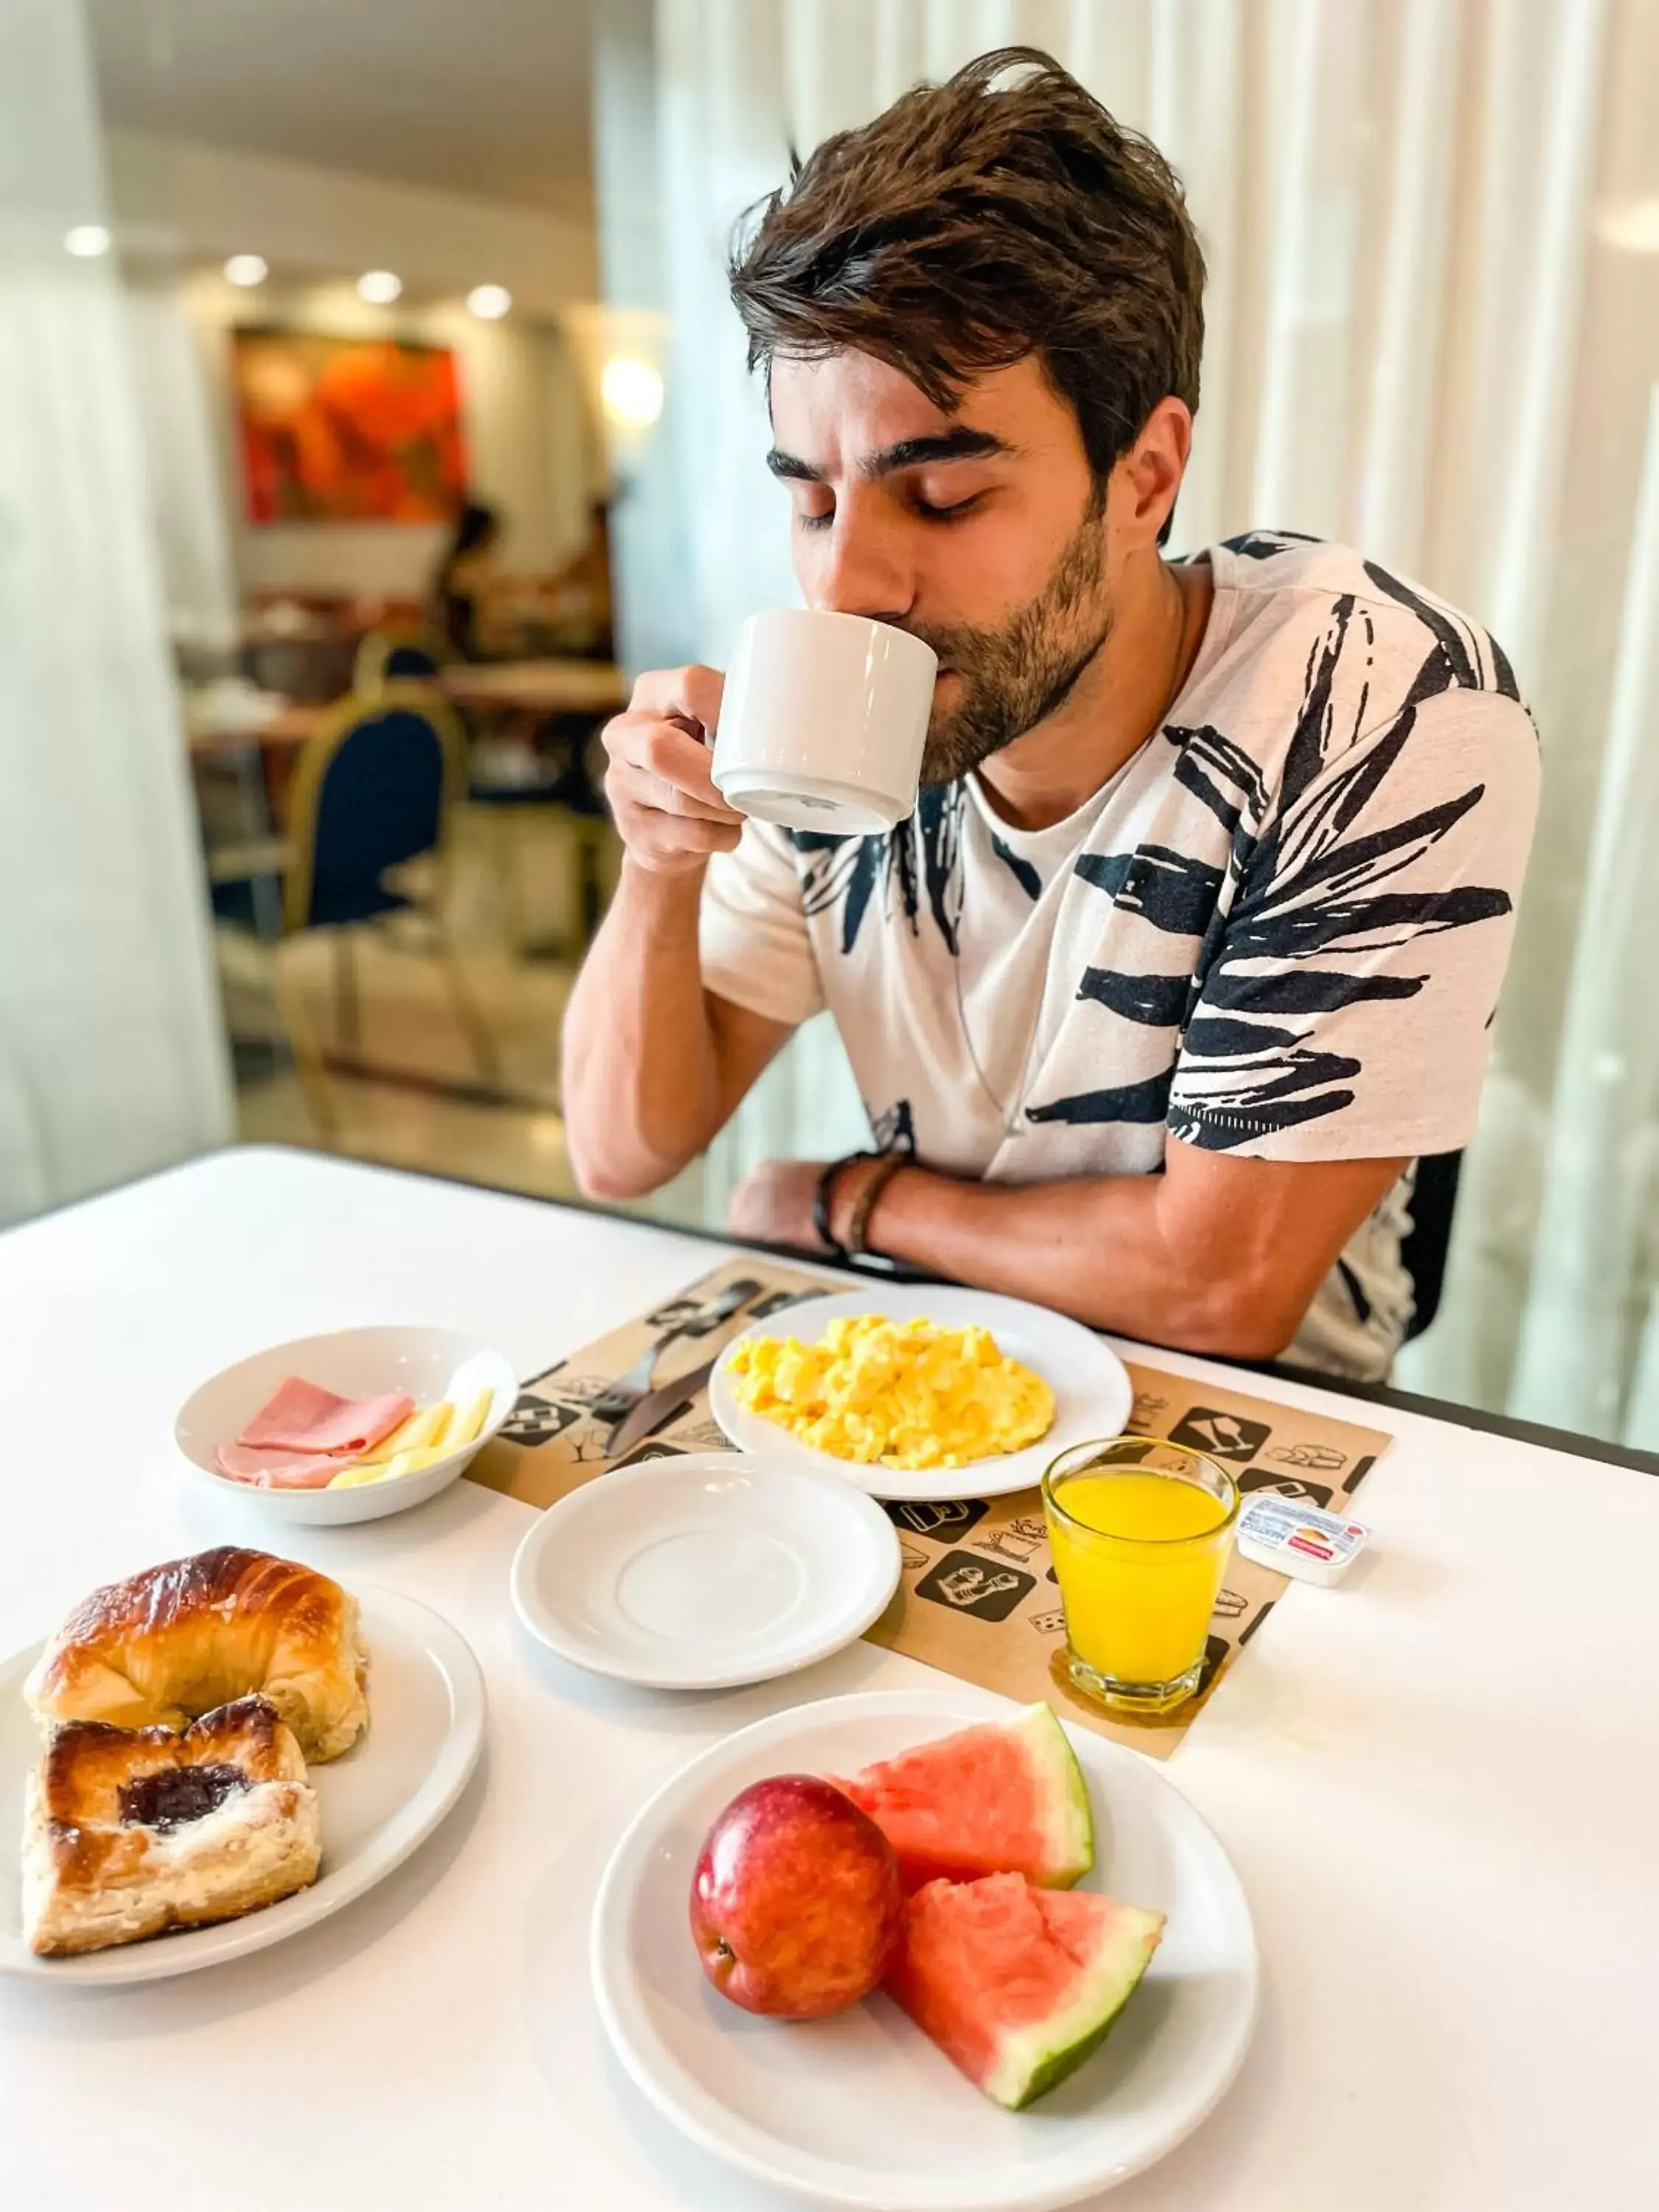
1299	1540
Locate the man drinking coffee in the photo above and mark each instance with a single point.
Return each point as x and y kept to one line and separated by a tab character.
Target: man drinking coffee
1191	947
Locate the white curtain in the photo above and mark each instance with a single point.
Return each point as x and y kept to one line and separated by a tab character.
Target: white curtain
189	509
1433	235
112	1057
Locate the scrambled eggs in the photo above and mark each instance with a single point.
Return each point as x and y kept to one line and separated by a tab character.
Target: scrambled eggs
899	1394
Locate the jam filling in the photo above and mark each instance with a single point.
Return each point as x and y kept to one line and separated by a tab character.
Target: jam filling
174	1794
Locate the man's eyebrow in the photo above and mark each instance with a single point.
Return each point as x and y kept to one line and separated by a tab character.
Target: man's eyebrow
790	466
961	444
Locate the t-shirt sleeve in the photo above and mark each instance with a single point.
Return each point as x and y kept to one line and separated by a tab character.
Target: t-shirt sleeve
1345	1011
753	935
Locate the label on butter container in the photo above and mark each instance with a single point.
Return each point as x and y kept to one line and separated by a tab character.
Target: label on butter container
1299	1540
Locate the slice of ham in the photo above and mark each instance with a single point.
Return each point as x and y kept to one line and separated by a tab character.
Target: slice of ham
302	1417
271	1469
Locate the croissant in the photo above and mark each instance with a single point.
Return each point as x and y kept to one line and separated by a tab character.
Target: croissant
130	1832
174	1642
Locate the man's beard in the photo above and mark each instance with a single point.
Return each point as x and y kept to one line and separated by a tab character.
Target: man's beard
1016	675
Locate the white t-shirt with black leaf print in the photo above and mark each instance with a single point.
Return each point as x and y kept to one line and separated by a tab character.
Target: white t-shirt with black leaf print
1279	931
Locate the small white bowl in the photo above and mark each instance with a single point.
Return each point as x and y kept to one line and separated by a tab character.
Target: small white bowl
356	1363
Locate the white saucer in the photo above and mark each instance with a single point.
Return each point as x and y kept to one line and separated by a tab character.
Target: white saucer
860	2110
1092	1391
703	1570
426	1727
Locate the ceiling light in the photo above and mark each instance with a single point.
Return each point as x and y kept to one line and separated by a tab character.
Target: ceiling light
87	240
246	269
379	287
631	391
489	302
1630	225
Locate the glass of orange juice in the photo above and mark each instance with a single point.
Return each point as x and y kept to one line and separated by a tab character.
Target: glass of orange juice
1141	1531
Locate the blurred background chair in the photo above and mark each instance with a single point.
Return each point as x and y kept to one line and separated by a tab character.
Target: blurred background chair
370	799
404	652
1423	1252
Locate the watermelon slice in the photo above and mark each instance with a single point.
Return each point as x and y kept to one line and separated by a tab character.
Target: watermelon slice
1015	1984
1005	1797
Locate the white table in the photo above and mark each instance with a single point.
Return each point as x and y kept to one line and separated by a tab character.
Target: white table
1438	1782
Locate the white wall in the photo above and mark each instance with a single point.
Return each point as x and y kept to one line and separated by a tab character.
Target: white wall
527	407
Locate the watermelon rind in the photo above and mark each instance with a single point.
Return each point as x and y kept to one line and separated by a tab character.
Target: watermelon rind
1069	1852
1033	2060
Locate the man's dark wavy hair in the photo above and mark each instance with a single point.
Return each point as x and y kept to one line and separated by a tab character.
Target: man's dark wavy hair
1000	214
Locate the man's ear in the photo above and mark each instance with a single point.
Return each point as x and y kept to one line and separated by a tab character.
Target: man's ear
1150	473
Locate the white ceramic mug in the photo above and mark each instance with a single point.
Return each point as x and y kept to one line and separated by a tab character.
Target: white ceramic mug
822	721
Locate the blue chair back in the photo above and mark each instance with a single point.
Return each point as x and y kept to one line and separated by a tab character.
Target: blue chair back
409	660
408	652
368	794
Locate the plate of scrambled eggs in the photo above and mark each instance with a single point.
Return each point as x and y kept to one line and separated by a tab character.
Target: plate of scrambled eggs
919	1392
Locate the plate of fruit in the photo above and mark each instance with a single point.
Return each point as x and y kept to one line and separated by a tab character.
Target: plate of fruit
926	1951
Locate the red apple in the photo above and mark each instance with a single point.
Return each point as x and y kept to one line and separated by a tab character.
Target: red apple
796	1901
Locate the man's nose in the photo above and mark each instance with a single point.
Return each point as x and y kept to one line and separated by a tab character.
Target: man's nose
864	571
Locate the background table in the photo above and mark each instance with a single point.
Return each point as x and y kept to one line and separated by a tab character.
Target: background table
1438	1782
536	687
291	723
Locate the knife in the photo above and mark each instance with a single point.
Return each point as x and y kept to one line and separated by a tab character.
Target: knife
655	1407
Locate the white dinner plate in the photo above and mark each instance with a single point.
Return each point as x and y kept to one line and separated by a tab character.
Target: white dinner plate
700	1571
429	1364
1092	1390
426	1703
861	2110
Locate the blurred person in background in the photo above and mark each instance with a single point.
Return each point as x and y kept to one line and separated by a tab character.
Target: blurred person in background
462	584
1192	946
583	589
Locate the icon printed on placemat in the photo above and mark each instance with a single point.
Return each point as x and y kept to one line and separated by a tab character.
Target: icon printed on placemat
1216	1648
1018	1540
1222	1435
1286	1485
1230	1604
776	1302
533	1421
944	1518
1145	1412
1318	1459
966	1584
536	1421
702	1436
654	1448
913	1555
696	1316
1049	1623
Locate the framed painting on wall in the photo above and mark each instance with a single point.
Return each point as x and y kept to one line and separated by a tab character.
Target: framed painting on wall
336	430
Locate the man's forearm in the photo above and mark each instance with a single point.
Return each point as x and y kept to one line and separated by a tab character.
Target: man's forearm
1105	1249
641	1075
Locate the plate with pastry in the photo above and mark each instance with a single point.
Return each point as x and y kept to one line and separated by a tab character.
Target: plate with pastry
920	1391
349	1426
215	1753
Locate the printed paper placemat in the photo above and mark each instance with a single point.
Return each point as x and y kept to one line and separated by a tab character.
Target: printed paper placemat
978	1597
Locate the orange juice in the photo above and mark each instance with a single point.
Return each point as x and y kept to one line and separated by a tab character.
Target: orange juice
1138	1550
